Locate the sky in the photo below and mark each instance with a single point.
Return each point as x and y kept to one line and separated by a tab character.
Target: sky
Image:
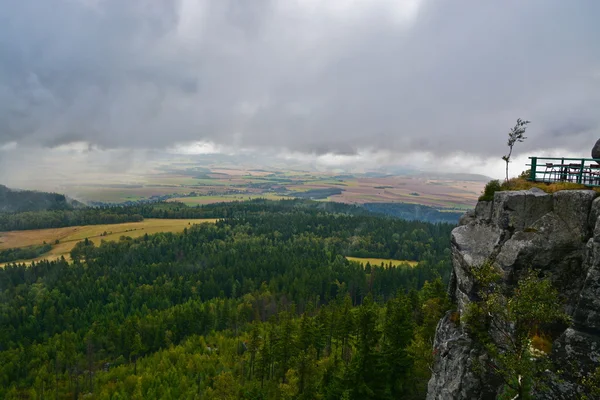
348	82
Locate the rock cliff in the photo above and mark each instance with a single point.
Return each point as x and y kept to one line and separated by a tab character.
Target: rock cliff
558	234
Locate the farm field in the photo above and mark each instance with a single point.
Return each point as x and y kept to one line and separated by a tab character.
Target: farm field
69	236
378	261
414	190
205	182
118	195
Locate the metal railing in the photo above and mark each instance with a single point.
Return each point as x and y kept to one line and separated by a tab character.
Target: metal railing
585	171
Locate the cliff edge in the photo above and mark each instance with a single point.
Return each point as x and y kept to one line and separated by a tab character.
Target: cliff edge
558	234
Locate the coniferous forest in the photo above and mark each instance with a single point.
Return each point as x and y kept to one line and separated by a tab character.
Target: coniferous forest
107	214
261	305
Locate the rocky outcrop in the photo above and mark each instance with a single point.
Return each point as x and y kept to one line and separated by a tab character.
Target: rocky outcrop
558	234
596	150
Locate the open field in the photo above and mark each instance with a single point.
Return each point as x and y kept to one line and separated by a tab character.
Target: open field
378	261
415	190
69	236
118	195
207	180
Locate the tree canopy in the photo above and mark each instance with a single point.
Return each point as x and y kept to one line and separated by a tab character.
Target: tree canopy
261	305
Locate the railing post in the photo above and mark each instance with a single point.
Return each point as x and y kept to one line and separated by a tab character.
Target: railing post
580	177
532	172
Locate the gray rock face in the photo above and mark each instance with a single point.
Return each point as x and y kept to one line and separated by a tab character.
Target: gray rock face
596	150
594	213
587	311
573	207
580	348
466	218
518	210
456	356
483	210
473	243
558	234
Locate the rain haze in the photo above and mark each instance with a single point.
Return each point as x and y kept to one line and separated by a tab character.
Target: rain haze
105	85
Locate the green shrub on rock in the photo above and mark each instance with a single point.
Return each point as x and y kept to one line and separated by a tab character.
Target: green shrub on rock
490	188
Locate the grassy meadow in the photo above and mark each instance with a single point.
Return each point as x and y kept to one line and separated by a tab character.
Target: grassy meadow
69	236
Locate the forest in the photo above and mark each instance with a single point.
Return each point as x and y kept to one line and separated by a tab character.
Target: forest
23	253
115	214
28	200
415	212
261	305
100	215
62	218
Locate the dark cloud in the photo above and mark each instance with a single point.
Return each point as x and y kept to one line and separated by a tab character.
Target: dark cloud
305	75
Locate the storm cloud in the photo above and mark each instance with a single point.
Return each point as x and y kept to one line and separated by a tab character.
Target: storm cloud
308	76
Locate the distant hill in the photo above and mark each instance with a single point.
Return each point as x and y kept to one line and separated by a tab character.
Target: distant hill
13	200
416	212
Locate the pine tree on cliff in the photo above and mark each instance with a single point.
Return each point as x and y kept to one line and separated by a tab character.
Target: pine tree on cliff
516	134
509	326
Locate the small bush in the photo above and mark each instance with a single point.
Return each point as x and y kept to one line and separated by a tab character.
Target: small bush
490	188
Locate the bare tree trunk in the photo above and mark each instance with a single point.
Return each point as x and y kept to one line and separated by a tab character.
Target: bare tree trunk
507	159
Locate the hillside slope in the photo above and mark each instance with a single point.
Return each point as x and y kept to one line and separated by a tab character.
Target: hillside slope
27	200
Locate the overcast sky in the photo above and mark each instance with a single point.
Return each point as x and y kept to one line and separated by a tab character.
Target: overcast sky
445	78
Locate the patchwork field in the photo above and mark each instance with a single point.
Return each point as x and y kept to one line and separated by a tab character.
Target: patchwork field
440	194
197	183
69	236
378	261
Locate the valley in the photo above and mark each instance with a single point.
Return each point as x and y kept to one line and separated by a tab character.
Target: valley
299	200
266	292
193	184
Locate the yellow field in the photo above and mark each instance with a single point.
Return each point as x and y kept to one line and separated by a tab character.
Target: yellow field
378	261
69	236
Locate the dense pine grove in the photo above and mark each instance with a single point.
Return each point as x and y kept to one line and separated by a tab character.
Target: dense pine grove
62	218
133	213
261	305
13	221
28	200
415	211
23	253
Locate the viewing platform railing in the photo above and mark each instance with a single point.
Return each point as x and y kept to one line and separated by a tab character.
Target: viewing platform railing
585	171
